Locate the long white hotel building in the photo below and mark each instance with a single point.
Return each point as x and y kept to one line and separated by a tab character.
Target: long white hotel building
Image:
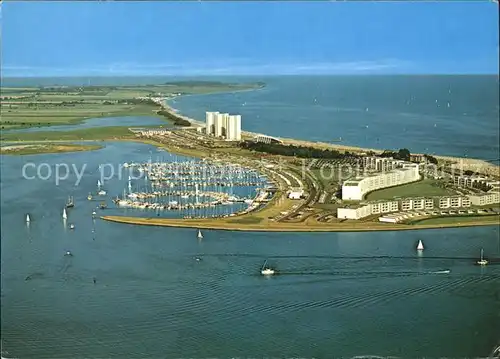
223	125
354	190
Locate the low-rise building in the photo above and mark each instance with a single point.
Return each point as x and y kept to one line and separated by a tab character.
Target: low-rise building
454	202
354	212
381	164
417	204
367	209
480	182
384	207
485	198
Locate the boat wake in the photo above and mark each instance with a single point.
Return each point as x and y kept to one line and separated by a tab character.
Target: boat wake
441	272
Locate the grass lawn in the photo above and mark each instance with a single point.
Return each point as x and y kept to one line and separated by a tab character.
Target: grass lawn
458	219
97	133
35	149
425	187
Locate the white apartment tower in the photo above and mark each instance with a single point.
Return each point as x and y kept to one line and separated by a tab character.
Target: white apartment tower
210	122
224	125
234	128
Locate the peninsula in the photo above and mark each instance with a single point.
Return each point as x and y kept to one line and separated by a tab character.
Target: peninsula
316	186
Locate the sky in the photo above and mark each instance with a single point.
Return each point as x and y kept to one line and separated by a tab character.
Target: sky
63	38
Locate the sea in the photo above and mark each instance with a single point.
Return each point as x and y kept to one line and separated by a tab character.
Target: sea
151	292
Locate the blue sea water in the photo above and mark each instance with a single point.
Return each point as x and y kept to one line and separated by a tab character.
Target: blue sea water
338	295
446	115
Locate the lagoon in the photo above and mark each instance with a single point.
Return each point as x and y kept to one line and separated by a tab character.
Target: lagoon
132	121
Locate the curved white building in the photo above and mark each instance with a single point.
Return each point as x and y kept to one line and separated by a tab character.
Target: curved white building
354	190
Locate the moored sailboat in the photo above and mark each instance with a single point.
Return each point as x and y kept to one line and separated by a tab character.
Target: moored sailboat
70	203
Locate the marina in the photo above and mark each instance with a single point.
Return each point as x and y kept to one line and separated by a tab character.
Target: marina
195	189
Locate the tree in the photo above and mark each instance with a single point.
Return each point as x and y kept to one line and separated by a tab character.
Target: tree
403	154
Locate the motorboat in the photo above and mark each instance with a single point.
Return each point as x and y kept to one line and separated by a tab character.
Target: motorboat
68	253
71	226
101	193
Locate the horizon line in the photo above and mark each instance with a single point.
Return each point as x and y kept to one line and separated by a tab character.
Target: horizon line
247	75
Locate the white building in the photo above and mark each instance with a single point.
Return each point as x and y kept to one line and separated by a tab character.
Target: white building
356	189
417	204
454	202
381	164
233	132
367	209
210	122
354	212
267	139
223	125
485	199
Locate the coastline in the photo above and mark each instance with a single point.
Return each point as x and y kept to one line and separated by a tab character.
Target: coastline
474	164
287	227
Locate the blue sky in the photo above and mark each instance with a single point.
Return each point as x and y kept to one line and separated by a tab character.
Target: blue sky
225	38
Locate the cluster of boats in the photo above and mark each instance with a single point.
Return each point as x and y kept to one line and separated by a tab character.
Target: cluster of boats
194	186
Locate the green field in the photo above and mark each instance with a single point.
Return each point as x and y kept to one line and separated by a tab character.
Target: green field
35	149
97	133
34	107
426	187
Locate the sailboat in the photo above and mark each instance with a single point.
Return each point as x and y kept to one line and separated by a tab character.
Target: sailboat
200	236
65	215
70	203
28	220
420	246
482	261
266	270
98	183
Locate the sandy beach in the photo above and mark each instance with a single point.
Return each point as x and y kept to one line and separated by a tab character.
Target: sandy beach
471	164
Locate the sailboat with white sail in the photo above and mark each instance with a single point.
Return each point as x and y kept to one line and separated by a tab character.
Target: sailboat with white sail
200	235
28	219
482	261
420	246
64	215
266	270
